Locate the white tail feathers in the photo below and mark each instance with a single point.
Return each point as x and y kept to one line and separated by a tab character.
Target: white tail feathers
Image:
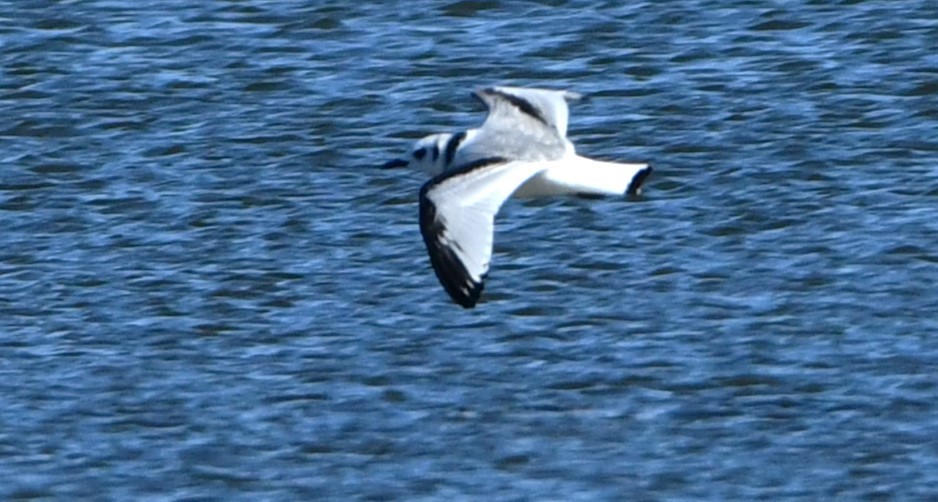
580	175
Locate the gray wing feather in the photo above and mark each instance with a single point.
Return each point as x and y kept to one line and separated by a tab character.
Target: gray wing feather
547	106
522	124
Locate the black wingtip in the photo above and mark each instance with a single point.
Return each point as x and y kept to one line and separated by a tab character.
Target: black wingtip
639	180
449	269
471	298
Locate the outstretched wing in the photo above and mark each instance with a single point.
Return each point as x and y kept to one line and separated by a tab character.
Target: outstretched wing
457	220
522	124
546	106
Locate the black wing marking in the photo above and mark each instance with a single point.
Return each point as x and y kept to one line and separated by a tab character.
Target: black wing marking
523	105
449	268
451	272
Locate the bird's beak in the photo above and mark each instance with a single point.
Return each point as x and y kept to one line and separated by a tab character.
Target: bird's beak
393	164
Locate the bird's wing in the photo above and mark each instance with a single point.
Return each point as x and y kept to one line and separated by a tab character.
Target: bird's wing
522	124
546	106
457	220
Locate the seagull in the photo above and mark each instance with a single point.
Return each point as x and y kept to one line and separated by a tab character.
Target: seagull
520	150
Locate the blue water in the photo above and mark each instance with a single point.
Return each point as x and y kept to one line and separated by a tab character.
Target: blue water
207	290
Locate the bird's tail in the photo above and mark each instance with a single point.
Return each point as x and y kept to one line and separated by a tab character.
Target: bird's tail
580	175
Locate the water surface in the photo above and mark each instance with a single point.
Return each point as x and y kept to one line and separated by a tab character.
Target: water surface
208	291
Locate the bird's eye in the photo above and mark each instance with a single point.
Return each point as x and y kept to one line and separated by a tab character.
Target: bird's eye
420	153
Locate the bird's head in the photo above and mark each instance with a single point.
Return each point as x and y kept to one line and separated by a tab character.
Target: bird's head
427	154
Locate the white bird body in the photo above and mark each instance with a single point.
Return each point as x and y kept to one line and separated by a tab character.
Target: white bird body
520	150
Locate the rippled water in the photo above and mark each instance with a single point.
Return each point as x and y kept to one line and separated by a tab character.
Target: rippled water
208	291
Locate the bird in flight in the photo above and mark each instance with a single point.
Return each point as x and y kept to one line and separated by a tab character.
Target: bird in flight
521	150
